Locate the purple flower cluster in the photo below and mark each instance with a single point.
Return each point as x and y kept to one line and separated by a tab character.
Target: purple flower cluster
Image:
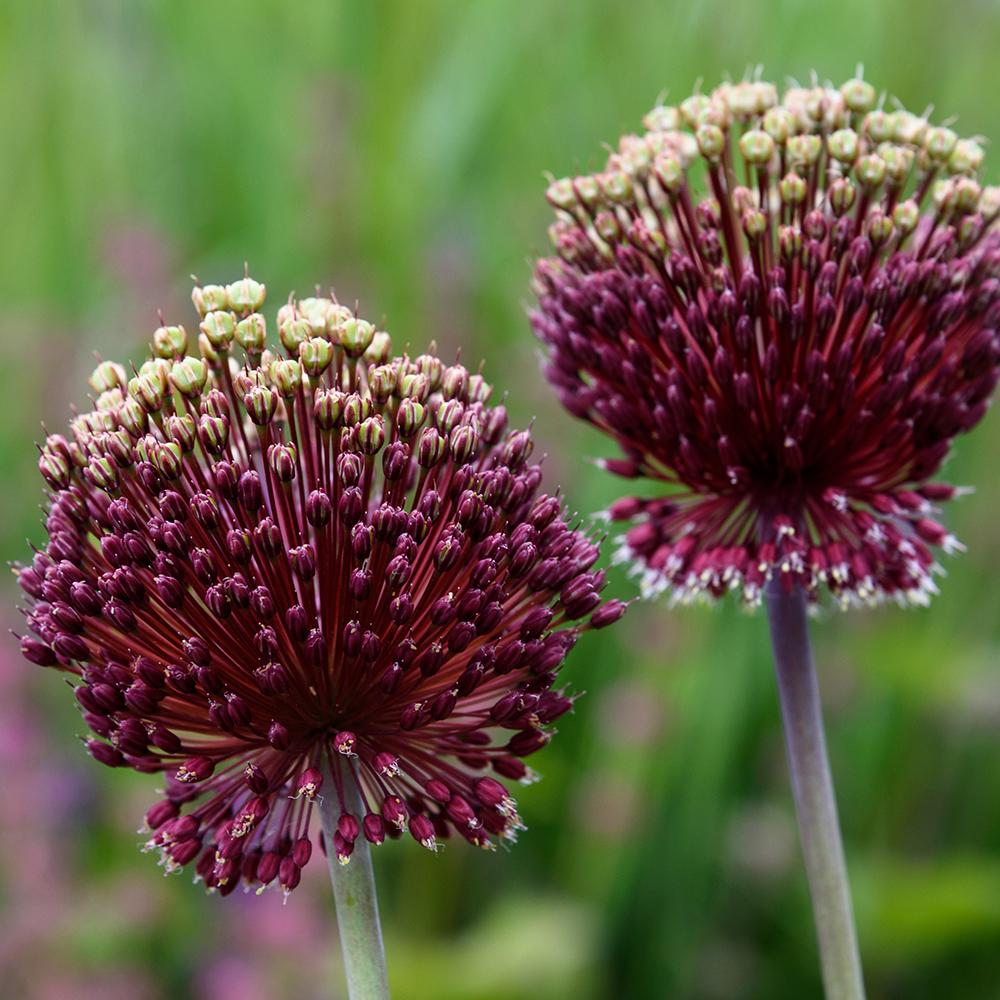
783	309
317	566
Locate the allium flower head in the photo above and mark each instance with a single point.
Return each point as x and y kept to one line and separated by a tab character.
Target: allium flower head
318	560
783	308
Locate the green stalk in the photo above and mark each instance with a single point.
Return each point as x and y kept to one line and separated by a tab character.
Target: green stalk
354	892
815	804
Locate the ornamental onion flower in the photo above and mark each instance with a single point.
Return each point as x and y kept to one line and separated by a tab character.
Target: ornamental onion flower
783	310
315	574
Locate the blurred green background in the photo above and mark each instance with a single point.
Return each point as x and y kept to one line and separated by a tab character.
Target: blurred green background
396	150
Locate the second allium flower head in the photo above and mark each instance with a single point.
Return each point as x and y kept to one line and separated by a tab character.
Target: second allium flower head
327	560
783	308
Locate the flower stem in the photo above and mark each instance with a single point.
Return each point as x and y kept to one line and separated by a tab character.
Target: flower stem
812	785
354	892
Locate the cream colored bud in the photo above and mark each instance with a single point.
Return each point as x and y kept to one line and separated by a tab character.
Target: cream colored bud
859	96
662	119
940	143
757	147
966	157
843	145
170	342
245	296
108	375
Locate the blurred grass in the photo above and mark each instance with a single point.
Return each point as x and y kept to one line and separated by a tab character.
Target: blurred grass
396	150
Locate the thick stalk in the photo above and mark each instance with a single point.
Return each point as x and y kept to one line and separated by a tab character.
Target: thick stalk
815	804
354	892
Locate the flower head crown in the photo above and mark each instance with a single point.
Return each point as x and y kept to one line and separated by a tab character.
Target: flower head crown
783	308
319	566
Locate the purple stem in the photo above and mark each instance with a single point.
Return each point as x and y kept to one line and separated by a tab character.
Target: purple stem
815	804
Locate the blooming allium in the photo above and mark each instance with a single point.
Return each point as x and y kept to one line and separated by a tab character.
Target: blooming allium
783	309
328	561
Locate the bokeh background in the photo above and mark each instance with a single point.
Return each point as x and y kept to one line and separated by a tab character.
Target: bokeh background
396	150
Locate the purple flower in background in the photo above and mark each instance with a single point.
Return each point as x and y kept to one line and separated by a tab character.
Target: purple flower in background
783	309
324	572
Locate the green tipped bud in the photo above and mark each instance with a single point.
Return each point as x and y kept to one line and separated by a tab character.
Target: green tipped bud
382	381
260	402
431	366
219	328
189	377
878	126
414	385
617	187
108	375
842	195
757	147
109	400
859	96
182	431
371	435
967	194
940	143
102	473
55	470
380	349
779	124
431	447
455	382
789	243
213	432
208	298
315	312
908	128
479	389
670	173
898	162
608	227
282	459
879	228
561	194
356	409
754	224
118	445
464	442
871	171
316	355
989	202
148	391
843	145
792	189
691	109
293	333
662	118
711	141
208	352
905	216
328	408
286	374
170	342
409	417
167	458
589	190
133	417
245	296
356	336
804	149
966	157
448	414
251	334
